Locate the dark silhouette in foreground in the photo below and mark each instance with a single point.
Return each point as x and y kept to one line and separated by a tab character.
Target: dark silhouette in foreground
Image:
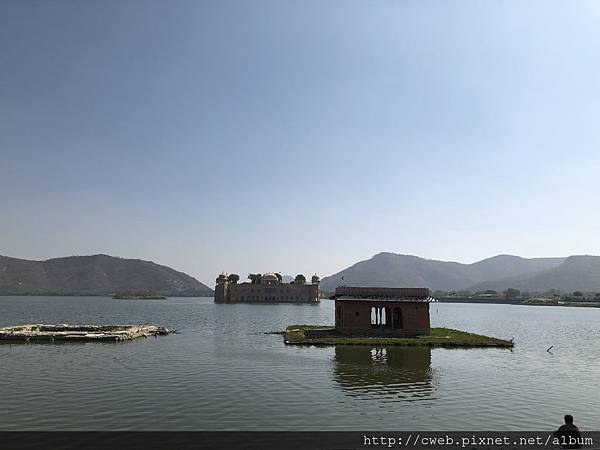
568	434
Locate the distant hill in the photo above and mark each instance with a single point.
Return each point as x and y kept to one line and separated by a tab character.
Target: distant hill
94	275
576	273
394	270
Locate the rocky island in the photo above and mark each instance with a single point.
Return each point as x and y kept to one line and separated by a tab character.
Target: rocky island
64	332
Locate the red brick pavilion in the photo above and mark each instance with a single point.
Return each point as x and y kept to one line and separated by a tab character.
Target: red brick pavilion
382	311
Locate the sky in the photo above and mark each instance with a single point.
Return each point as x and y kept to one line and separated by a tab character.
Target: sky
298	137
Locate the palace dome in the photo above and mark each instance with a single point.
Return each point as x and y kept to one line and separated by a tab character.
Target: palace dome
268	277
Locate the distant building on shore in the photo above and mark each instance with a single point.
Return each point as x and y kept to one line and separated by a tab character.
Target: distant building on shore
382	311
267	288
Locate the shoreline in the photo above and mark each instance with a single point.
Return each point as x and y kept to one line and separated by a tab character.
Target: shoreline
500	301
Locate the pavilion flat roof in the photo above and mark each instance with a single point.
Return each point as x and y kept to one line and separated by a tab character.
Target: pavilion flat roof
381	293
384	299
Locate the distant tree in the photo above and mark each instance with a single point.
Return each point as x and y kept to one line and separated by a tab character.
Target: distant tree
315	279
300	279
279	277
512	293
577	294
255	278
597	295
233	278
490	292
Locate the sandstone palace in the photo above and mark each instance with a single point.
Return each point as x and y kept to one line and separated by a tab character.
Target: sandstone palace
266	288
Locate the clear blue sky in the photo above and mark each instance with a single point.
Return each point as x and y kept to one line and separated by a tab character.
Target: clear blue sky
298	136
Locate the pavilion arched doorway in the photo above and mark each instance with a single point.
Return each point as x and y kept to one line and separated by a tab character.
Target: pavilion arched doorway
397	318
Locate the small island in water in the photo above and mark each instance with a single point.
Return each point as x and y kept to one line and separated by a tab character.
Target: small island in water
139	296
385	316
85	333
438	337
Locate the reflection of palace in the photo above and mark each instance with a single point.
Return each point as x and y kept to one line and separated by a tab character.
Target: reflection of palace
384	372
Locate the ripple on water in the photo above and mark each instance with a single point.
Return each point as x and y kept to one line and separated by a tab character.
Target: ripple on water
221	372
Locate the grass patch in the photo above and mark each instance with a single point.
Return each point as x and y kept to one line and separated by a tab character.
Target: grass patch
439	337
312	327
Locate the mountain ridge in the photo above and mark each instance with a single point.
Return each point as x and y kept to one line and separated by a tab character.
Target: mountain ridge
499	272
577	272
98	274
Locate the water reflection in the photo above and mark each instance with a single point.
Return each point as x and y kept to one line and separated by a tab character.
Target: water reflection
384	372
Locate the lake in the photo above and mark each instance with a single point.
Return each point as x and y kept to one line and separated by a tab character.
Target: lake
223	373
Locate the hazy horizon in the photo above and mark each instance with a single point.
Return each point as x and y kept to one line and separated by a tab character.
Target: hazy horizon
243	276
298	137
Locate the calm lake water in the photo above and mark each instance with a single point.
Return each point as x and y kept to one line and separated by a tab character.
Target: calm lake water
223	373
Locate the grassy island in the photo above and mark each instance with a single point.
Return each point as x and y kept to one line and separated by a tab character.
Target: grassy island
439	337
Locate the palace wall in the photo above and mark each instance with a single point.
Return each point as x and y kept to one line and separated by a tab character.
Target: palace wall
267	293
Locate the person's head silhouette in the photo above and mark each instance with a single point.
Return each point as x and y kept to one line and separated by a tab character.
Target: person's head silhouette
569	419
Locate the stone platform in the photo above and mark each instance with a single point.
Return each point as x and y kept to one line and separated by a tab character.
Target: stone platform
64	332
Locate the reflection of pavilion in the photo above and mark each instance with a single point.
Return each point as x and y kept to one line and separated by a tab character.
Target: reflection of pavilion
388	372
